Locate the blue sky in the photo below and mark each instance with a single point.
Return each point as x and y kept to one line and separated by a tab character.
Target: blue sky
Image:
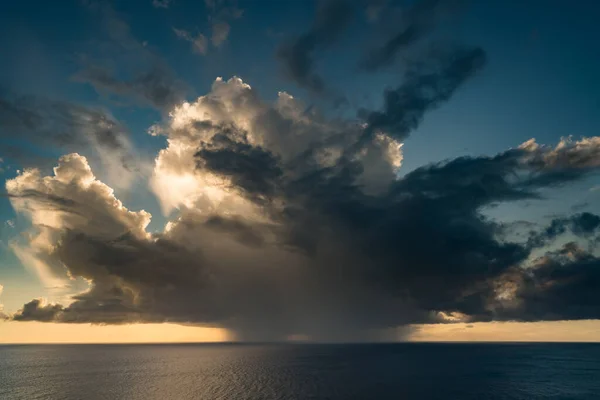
541	81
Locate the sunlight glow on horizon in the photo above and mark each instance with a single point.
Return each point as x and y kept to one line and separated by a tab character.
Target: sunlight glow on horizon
53	333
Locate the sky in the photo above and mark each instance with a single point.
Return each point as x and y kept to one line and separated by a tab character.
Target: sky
178	170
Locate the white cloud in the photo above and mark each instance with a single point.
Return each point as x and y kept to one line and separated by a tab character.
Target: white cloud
72	199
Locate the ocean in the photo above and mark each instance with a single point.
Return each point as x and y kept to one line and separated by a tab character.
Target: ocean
303	371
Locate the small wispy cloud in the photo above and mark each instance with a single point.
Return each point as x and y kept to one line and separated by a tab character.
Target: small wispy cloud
220	32
161	3
220	14
199	42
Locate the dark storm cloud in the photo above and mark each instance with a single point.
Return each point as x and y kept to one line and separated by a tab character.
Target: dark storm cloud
583	224
297	55
35	310
426	85
562	285
251	169
314	253
363	262
426	237
243	232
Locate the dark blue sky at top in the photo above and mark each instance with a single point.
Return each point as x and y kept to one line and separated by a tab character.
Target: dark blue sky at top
541	80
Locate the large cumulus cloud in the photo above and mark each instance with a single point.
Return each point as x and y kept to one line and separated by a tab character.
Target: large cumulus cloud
284	222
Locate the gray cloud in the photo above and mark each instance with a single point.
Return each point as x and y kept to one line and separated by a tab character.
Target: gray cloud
411	27
67	126
141	74
561	285
582	224
157	87
161	3
427	85
297	55
36	310
58	123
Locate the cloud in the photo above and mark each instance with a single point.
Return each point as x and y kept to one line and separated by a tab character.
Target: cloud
199	42
427	84
561	285
161	3
583	225
156	87
297	54
220	32
412	26
38	310
121	65
70	200
221	13
285	223
67	126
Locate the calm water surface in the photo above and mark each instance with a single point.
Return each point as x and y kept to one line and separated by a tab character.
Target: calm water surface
390	371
